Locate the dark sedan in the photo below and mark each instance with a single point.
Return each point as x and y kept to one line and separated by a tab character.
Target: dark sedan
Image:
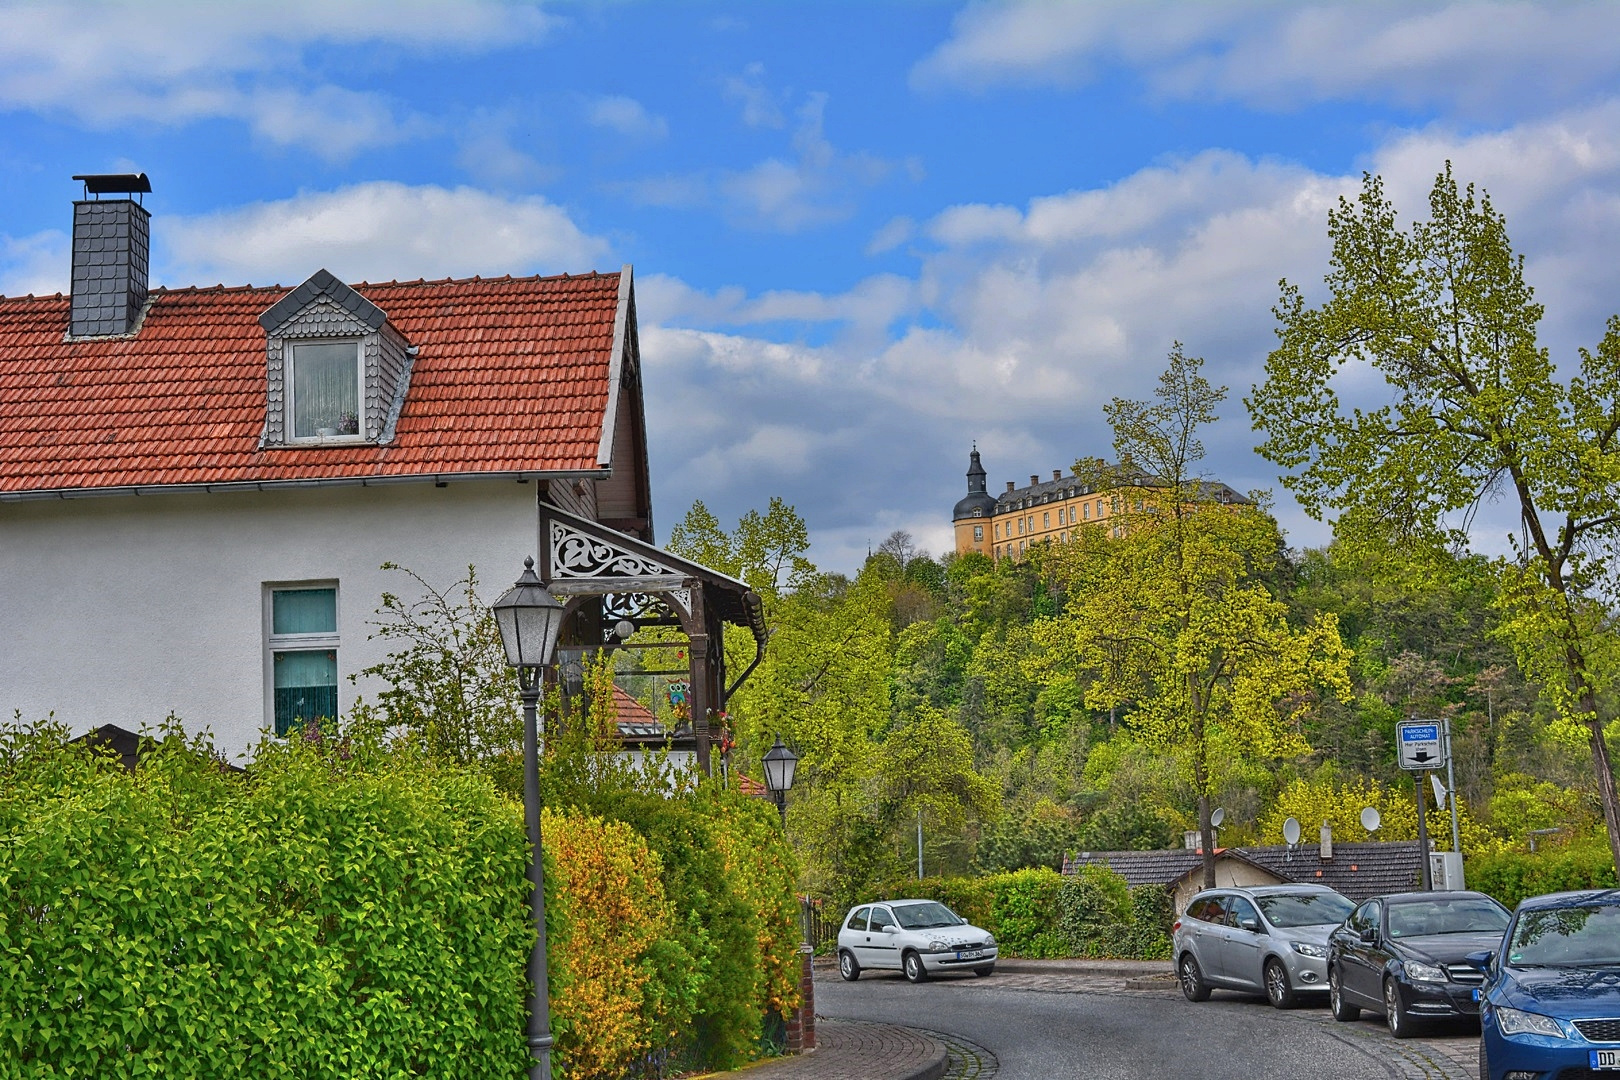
1405	955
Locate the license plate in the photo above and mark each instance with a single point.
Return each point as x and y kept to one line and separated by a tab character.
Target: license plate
1606	1060
974	954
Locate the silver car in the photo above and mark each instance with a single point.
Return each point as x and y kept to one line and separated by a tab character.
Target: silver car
1268	939
918	937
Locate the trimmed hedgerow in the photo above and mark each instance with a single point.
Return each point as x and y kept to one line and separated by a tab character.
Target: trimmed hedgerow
317	919
1512	876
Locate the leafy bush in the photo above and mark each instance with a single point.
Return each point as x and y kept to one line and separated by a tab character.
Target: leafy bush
616	914
322	918
1100	916
1023	913
1511	876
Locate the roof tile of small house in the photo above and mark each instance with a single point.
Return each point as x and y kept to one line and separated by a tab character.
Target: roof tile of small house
512	376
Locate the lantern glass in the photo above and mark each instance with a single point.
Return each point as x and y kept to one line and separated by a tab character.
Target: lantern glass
780	762
530	620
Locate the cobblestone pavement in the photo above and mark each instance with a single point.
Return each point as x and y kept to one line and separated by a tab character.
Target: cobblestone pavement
852	1050
966	1060
1443	1053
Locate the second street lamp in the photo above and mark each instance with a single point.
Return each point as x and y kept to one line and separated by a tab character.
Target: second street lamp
530	619
780	762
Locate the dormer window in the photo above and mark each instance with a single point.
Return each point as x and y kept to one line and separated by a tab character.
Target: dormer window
336	370
324	390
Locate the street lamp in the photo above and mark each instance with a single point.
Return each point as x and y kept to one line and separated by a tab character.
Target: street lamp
779	765
530	619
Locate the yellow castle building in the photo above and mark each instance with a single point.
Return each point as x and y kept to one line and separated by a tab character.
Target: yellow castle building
1006	526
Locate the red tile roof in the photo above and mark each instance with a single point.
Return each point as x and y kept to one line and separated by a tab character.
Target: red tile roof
629	710
512	376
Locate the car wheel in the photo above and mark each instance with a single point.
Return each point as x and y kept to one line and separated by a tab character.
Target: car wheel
848	967
983	971
1484	1060
1395	1015
1278	990
1192	979
913	967
1342	1009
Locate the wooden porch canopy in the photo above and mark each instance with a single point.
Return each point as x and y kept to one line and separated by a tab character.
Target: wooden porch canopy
606	577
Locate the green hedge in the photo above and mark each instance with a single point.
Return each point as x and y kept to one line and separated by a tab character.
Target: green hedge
1099	916
1041	914
314	921
1512	876
351	912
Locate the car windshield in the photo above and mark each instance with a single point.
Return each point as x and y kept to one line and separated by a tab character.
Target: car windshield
1304	909
925	916
1585	936
1446	915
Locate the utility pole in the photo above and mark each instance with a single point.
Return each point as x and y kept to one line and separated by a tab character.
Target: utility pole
919	845
1451	792
1420	781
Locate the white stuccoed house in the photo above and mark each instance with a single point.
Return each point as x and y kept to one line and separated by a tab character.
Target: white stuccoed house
198	486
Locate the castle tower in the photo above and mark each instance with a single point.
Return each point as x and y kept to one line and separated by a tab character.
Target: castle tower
973	513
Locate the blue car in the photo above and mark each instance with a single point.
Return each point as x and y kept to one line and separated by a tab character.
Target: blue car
1550	1004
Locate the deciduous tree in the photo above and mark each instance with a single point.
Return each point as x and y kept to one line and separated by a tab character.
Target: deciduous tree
1472	408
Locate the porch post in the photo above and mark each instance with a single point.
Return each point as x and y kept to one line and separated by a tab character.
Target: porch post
702	695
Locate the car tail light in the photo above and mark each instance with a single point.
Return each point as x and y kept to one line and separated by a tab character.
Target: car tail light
1175	926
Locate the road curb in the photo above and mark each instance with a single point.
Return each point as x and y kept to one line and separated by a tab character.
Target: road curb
856	1050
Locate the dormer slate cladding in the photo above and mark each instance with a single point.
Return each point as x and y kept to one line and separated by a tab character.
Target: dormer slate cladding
325	309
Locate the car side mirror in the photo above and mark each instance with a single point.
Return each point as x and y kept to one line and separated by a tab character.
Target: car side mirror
1369	936
1251	925
891	929
1484	960
961	921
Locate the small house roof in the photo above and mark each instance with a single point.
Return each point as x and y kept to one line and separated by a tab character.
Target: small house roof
511	376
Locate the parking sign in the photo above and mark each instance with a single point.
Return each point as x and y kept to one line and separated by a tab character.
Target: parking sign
1420	744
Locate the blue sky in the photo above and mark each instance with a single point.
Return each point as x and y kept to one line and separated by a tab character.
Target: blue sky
864	234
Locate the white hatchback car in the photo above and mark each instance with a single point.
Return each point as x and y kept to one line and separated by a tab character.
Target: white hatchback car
918	937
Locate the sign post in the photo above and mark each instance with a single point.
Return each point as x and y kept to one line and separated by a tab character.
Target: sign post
1421	746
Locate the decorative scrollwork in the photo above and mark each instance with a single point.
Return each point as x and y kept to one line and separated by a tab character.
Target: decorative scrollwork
576	555
635	606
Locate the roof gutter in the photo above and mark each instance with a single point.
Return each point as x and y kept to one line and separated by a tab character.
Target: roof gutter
520	476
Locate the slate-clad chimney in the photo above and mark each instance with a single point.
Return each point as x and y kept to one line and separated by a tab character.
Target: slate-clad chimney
110	245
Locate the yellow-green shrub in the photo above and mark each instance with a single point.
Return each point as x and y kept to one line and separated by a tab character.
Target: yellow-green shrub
616	912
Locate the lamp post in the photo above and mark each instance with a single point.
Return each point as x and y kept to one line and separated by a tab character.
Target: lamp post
779	765
530	619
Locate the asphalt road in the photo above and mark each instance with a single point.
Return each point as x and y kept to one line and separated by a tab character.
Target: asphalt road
1049	1036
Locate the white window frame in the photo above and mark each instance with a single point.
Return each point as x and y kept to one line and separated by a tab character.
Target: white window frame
290	378
275	643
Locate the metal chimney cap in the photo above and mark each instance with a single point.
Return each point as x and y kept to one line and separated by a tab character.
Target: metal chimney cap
115	183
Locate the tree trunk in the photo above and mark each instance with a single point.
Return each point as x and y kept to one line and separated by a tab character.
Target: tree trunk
1605	778
1206	834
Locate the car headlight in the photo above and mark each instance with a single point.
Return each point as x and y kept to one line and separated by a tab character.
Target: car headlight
937	946
1419	972
1518	1022
1305	948
989	939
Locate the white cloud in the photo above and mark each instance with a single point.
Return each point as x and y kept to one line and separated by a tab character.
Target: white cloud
34	264
1022	321
815	184
628	117
760	106
107	64
1467	54
895	231
376	231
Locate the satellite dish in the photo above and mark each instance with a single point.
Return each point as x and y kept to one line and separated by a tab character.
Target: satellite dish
1291	831
1217	817
1439	791
1371	819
